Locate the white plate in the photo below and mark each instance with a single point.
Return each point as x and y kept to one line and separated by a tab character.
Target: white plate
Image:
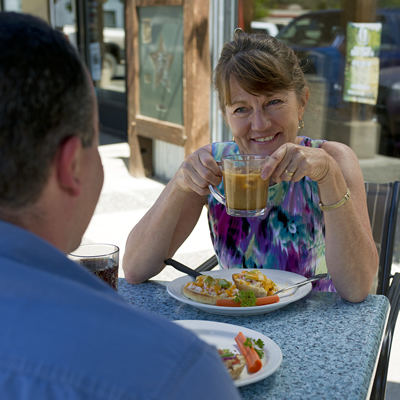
223	337
281	278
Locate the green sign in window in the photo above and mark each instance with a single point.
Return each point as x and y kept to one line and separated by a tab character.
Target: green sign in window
161	63
362	62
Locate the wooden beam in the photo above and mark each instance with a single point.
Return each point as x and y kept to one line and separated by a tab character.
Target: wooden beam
150	128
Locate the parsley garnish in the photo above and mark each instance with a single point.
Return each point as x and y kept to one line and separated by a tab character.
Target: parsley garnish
246	298
257	345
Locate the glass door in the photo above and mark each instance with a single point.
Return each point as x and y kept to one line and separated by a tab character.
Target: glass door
106	57
97	29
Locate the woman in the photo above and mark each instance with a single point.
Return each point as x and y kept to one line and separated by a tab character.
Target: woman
263	95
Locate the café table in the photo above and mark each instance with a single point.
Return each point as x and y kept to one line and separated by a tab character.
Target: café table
330	347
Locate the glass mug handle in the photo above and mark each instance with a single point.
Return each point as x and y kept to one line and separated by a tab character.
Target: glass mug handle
217	194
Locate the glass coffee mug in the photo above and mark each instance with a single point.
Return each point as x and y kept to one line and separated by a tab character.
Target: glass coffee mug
100	259
246	194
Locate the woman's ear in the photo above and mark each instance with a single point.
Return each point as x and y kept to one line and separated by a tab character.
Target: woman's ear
303	101
68	164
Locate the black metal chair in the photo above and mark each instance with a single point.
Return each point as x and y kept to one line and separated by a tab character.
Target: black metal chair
383	204
208	265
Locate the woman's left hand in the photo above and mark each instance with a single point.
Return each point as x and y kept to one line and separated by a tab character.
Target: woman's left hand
292	162
350	251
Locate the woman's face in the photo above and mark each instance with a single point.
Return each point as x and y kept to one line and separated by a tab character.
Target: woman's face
261	124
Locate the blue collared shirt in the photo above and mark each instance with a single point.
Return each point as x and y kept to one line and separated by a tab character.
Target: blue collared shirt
65	334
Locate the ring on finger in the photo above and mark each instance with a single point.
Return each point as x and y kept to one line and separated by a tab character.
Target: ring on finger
288	173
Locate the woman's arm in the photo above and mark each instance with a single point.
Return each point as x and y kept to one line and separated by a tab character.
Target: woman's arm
171	219
350	251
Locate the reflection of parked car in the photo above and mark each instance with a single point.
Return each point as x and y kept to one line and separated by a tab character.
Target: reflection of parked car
319	38
114	44
114	48
268	28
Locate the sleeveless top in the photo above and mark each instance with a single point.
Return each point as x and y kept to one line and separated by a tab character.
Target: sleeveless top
290	236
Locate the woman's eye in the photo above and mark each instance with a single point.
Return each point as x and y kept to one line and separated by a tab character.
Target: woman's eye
273	102
240	110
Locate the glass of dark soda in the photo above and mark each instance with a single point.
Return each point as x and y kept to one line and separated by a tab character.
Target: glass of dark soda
100	259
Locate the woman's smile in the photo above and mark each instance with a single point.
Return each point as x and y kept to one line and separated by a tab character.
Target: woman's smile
264	139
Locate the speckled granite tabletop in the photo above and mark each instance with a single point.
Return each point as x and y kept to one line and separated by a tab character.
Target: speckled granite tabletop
329	346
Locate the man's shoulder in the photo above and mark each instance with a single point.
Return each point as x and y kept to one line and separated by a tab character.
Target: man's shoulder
105	347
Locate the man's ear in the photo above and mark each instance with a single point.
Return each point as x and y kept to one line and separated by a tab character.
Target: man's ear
68	164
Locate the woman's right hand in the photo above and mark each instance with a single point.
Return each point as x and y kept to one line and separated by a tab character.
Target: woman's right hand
198	171
171	219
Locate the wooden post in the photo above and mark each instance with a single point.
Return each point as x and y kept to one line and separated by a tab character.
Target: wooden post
132	62
197	70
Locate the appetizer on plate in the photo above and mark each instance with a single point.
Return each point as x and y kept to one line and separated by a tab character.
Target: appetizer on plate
252	351
255	281
235	363
208	290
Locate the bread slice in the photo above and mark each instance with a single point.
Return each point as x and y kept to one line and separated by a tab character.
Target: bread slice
208	290
256	281
199	297
234	365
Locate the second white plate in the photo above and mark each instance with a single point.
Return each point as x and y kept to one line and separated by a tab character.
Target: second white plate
281	278
223	336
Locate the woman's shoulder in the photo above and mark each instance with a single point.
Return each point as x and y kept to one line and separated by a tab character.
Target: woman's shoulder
339	150
220	149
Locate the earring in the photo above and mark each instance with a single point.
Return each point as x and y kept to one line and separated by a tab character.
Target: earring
233	139
301	124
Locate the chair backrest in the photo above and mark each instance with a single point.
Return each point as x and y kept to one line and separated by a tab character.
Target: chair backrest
383	204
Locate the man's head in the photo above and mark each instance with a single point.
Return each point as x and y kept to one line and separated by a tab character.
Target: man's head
48	123
44	98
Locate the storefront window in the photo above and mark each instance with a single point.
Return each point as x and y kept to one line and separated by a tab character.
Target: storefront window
161	63
355	66
106	33
97	29
13	5
40	8
106	58
64	15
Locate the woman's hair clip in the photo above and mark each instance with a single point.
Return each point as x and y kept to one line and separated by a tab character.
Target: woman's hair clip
238	32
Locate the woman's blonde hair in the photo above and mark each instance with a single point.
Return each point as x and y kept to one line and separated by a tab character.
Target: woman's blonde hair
260	64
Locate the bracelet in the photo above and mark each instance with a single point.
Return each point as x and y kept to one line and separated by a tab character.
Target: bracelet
336	205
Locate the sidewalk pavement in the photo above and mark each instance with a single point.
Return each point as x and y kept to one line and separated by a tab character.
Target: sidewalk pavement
125	199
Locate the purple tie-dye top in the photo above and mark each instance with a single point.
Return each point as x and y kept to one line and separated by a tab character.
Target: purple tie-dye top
289	237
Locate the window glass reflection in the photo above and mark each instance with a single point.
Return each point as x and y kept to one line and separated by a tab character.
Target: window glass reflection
13	5
112	23
319	39
65	19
